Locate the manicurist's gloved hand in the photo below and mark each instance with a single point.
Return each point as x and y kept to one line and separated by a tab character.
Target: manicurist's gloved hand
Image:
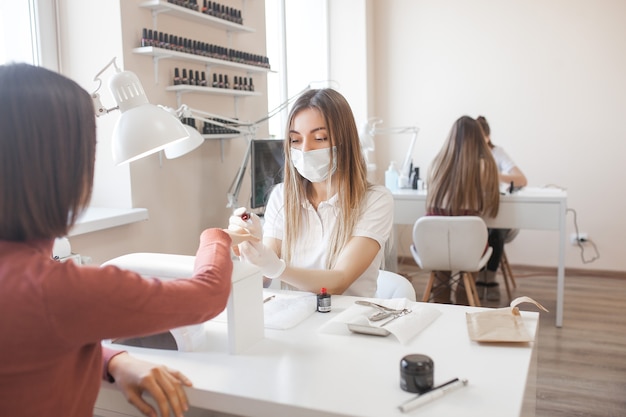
263	257
247	221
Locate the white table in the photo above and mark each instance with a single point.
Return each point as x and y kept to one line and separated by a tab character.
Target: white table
529	208
303	372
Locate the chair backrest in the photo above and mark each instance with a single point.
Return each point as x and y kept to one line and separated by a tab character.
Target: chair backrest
392	285
449	243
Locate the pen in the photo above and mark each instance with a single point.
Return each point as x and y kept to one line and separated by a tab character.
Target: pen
271	297
433	394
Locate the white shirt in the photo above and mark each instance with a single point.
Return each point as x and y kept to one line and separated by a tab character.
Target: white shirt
312	244
503	160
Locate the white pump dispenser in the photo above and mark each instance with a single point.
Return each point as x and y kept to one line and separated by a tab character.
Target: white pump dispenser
392	176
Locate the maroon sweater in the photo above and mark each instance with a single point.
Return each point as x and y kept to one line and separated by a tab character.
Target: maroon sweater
53	317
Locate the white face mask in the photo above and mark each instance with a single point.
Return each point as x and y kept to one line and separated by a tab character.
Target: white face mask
314	165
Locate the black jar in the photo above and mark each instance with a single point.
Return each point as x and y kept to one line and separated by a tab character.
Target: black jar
416	373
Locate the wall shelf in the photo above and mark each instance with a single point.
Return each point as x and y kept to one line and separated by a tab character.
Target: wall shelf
160	53
184	89
162	6
224	136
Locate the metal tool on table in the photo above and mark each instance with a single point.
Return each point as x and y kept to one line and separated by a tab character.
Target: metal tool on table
384	311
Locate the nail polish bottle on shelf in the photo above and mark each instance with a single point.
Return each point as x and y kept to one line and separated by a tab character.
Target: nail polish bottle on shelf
192	81
250	85
145	41
184	80
226	83
221	82
215	83
176	77
203	80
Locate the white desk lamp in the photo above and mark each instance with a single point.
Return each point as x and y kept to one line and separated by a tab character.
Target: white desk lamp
143	128
367	142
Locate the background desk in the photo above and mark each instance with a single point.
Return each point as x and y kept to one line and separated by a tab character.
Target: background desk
529	208
303	372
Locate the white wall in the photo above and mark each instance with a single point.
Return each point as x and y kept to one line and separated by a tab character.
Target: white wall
90	36
183	195
549	77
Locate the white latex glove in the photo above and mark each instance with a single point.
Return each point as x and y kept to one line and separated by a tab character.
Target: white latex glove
252	224
263	257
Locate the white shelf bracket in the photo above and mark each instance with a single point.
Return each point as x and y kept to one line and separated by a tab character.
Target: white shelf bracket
155	61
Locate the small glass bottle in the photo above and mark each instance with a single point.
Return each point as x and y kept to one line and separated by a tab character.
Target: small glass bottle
323	301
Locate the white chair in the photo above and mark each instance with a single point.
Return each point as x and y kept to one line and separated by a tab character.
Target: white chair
392	285
451	243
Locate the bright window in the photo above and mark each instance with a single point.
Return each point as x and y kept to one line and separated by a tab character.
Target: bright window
297	46
28	32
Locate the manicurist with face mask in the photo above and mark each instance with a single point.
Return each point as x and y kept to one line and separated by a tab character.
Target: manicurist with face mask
326	225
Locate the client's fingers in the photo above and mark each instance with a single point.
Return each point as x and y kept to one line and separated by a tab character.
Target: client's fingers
240	236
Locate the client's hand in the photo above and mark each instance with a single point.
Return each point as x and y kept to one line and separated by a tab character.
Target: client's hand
260	255
165	385
239	237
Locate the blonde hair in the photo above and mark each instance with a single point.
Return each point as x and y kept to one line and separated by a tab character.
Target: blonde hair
349	179
463	178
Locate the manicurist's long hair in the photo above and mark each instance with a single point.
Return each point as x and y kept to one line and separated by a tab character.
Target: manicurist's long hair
349	181
463	178
47	152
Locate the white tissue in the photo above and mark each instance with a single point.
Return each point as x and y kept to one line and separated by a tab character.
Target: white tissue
403	328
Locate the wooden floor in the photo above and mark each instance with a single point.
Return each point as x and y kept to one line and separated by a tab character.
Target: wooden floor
581	366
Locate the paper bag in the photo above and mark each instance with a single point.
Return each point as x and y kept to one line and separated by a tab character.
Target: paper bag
501	324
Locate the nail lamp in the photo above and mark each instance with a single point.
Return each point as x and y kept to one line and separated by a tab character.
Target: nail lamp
142	128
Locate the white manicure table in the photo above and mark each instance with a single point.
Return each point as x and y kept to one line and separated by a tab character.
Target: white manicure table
529	208
302	372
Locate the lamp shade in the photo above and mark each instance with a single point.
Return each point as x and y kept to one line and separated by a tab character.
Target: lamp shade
142	128
184	146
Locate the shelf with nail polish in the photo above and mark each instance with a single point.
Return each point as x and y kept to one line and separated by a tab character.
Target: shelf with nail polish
162	53
170	42
197	83
209	131
208	16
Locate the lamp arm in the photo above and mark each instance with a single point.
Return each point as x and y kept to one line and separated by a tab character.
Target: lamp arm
373	130
97	103
185	111
235	187
99	107
282	105
406	166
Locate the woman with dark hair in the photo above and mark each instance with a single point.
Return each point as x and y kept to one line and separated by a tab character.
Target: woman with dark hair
54	315
326	225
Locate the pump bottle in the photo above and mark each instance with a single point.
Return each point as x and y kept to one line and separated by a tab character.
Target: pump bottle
392	176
